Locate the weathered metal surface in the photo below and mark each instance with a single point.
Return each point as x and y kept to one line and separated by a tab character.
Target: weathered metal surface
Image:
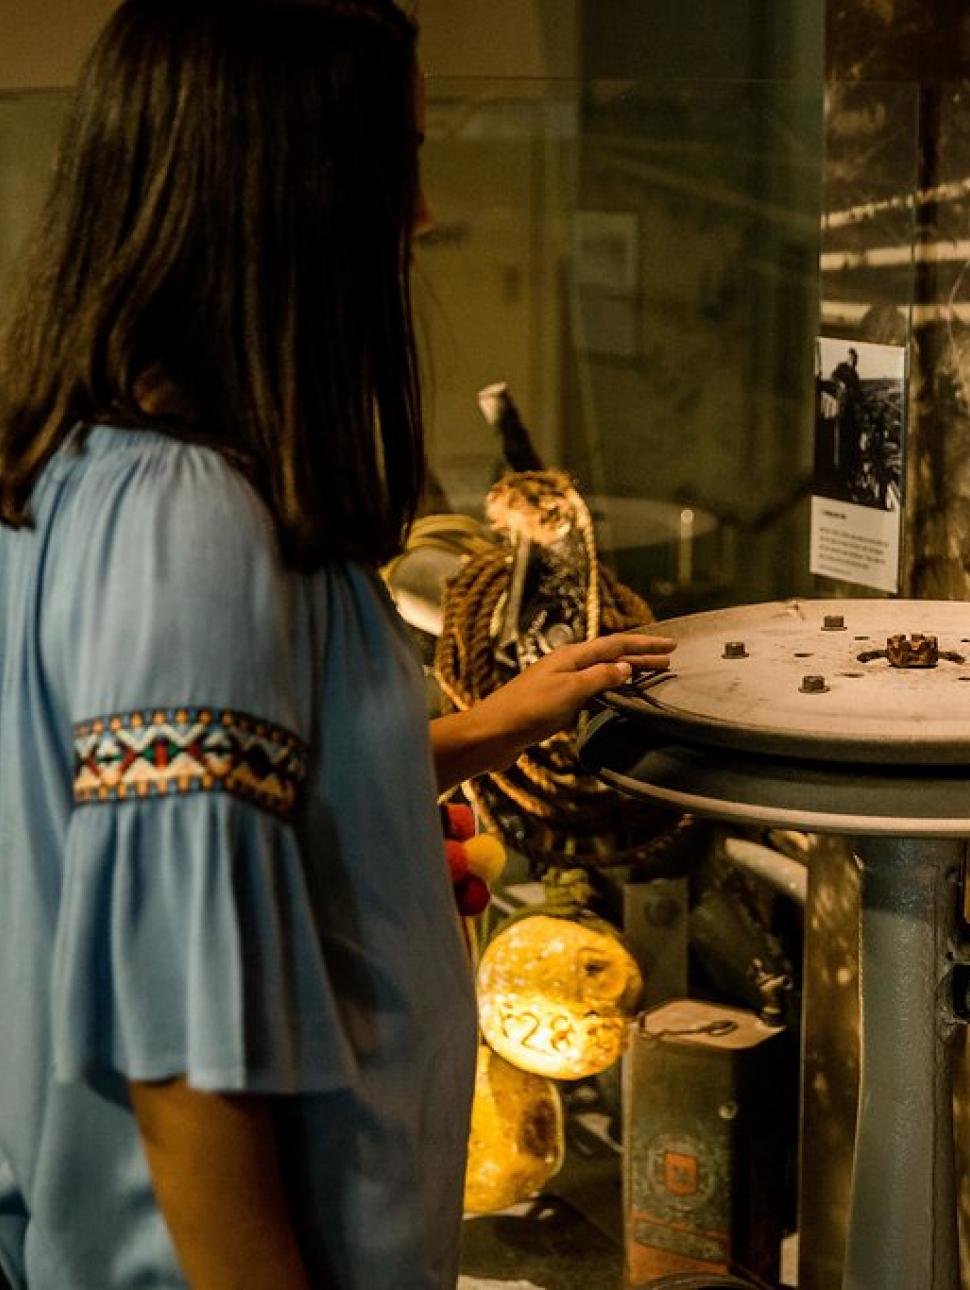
903	1218
890	763
830	1061
779	792
758	701
831	1071
655	931
704	1109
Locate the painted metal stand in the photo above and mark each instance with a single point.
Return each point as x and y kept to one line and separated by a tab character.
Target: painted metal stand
795	715
864	746
903	1226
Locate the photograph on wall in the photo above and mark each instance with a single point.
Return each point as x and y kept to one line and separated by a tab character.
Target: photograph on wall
860	431
606	271
606	250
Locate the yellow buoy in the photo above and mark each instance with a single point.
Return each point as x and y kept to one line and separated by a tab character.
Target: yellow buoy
516	1142
556	995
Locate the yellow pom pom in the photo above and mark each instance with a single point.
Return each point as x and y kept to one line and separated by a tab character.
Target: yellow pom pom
486	857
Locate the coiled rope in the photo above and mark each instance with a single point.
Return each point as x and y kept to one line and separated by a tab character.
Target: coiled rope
546	805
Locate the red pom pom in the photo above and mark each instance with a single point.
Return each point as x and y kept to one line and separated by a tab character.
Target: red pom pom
461	823
472	896
457	859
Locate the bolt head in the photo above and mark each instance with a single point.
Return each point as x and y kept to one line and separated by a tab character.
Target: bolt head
735	649
813	685
833	623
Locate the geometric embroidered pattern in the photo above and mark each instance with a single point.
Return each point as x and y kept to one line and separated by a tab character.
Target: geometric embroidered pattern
170	751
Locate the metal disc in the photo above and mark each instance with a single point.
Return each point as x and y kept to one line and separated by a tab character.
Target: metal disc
748	679
752	788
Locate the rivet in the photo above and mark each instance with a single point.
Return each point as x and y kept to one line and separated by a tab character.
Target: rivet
813	685
662	911
735	649
833	623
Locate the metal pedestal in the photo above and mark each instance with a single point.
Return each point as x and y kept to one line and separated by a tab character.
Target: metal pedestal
903	1228
903	1225
847	717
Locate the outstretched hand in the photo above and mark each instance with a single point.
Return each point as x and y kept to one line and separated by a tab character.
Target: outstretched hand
542	700
549	695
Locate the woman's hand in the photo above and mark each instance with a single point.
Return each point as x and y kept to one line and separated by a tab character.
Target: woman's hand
550	695
545	698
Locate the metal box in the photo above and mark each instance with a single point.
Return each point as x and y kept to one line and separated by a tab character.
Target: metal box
704	1115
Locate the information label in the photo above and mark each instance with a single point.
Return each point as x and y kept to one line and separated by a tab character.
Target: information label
860	421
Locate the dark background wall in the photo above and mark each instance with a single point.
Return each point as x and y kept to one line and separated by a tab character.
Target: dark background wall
726	39
897	208
898	40
42	41
702	122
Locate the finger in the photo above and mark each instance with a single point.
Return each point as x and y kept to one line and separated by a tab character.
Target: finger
648	662
650	645
603	676
607	649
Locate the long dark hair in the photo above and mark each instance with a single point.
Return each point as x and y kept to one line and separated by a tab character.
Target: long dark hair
233	207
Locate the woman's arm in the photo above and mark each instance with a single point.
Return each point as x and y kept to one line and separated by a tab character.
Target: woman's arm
215	1170
545	698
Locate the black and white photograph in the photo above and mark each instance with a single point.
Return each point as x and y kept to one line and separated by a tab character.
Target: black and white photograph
860	422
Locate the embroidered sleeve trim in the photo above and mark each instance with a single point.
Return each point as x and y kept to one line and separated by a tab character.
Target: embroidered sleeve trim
164	752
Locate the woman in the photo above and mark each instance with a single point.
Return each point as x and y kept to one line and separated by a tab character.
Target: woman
238	1025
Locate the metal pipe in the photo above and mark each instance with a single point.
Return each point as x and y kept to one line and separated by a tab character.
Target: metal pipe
903	1224
788	876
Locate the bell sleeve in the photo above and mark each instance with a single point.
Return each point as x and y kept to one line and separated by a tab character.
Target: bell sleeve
187	943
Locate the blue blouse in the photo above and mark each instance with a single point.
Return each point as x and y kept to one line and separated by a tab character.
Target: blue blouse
220	857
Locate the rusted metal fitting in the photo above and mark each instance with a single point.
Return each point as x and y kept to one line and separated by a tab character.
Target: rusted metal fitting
559	634
735	649
833	623
813	685
913	651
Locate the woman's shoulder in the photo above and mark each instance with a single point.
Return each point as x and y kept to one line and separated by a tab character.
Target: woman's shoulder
134	489
163	573
145	525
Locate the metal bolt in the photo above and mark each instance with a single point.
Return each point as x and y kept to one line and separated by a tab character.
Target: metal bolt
915	651
735	649
560	634
661	911
833	623
813	685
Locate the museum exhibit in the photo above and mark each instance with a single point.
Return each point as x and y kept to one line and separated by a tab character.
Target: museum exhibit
692	311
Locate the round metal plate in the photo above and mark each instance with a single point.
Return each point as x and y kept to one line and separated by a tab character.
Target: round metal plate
751	788
867	711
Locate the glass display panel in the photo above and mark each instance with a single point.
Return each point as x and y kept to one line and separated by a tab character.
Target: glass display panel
640	262
30	124
879	260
